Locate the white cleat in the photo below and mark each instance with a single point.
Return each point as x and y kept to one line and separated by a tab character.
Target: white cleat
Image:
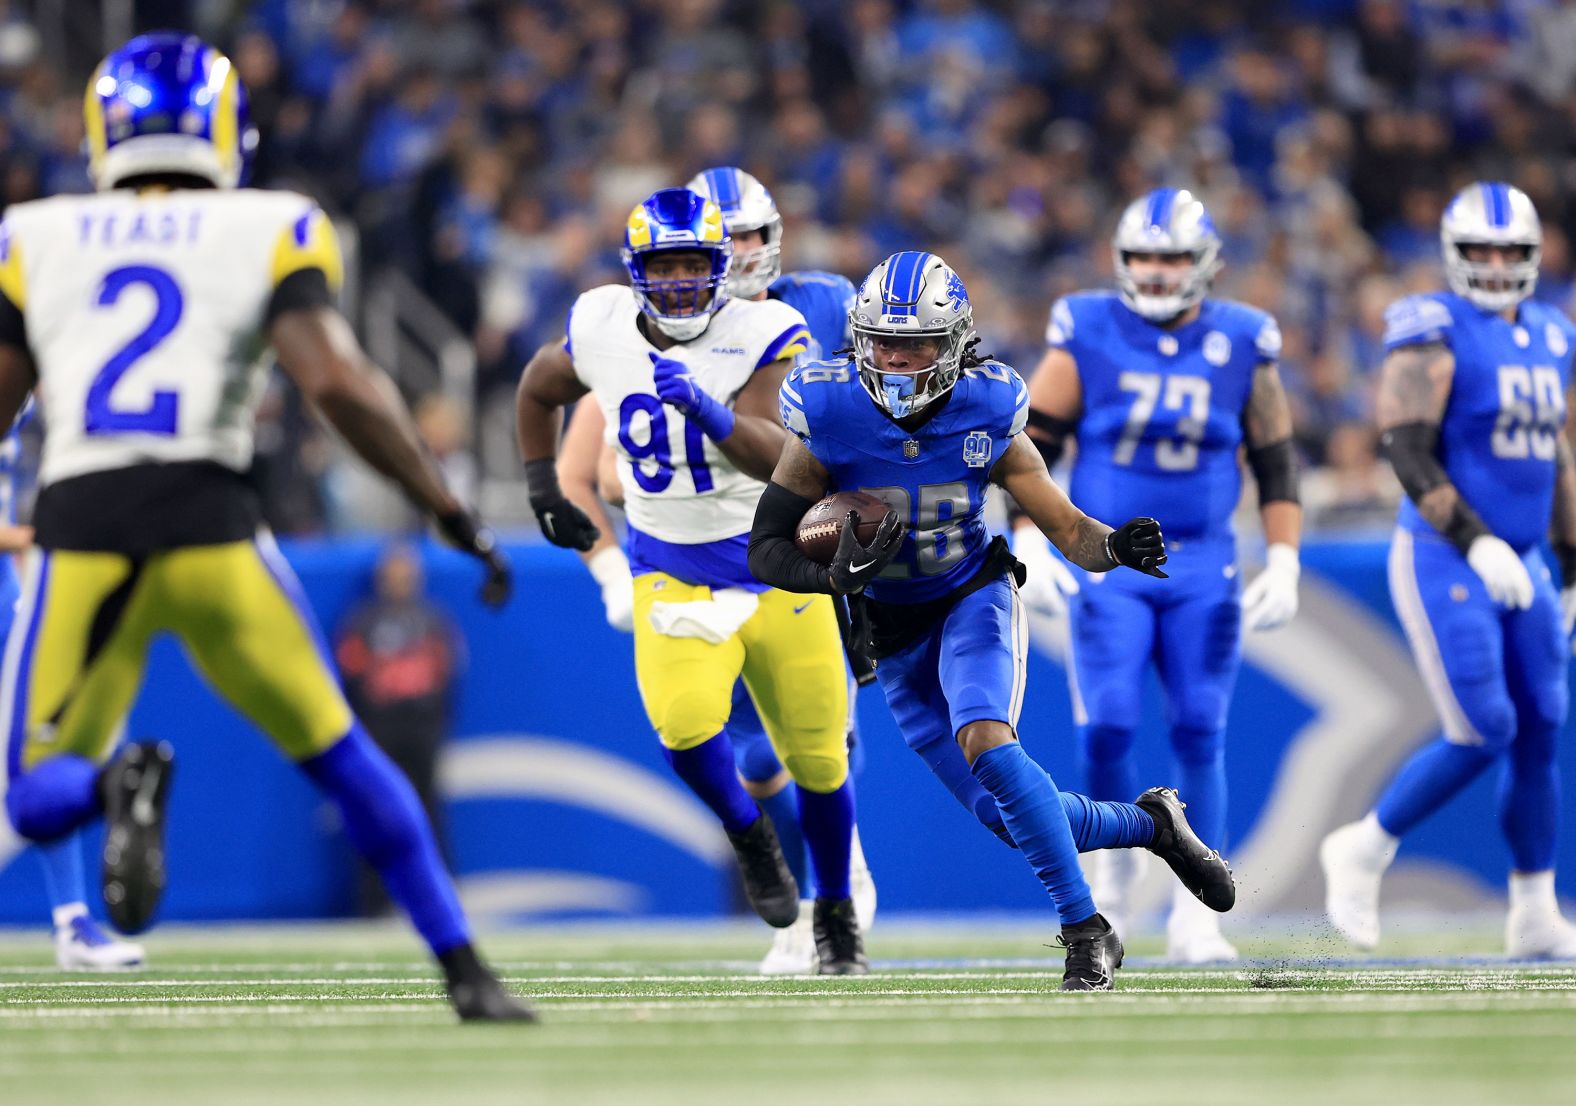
1354	862
1193	934
793	948
1539	935
82	945
861	886
1113	883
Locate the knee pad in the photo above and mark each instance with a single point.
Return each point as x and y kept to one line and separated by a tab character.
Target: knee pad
753	754
688	717
54	798
817	771
1103	744
1197	745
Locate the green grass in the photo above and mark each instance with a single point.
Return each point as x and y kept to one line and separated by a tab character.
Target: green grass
962	1014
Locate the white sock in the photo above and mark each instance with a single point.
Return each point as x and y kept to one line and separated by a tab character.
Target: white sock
1533	891
64	914
1378	844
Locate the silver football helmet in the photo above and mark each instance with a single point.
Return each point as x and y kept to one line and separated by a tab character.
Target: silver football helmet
746	205
911	295
1169	221
1495	214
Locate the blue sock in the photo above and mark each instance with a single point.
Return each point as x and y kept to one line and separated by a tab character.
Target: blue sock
708	770
946	760
54	797
385	821
1110	768
1032	809
1529	802
61	860
1097	825
1201	781
827	819
783	809
1427	782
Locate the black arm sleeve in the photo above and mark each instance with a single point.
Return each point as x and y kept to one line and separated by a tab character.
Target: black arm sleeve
1275	468
302	289
1049	435
1411	449
774	558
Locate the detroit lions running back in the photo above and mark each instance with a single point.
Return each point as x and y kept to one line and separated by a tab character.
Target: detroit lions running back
1161	384
915	418
1472	403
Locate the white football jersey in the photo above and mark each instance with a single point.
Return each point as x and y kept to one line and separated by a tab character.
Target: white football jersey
146	314
678	486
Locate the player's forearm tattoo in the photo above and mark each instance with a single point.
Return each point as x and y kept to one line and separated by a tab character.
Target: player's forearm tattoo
799	471
1267	418
1087	548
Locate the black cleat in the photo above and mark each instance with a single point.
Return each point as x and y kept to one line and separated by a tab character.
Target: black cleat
480	997
768	883
1094	952
839	948
135	787
1201	869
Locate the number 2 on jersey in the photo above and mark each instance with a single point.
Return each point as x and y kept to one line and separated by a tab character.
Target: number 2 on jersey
1188	394
159	417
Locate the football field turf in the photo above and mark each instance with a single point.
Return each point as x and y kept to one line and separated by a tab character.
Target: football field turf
959	1013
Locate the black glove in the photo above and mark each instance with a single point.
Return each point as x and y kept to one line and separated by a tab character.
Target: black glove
466	532
855	565
1137	544
562	522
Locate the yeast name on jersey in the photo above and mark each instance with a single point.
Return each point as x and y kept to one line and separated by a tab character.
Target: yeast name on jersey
1506	409
936	476
1162	408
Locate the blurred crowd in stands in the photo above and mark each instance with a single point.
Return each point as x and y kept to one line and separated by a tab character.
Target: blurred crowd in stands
491	149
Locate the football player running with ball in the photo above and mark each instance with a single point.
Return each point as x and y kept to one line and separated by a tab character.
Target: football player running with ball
1472	404
688	376
138	315
1163	385
917	420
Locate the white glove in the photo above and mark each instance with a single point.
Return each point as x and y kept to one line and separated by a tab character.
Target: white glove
1050	582
1501	571
610	569
1271	600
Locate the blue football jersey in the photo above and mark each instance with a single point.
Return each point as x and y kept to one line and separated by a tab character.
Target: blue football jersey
936	476
1162	409
824	299
1506	407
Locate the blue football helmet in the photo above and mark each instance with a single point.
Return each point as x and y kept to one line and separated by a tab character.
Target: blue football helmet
1166	221
167	103
669	220
911	295
746	205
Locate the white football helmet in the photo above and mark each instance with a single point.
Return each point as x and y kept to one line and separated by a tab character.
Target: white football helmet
746	205
1170	221
1498	214
911	295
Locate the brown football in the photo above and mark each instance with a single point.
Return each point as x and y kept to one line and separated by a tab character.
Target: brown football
822	524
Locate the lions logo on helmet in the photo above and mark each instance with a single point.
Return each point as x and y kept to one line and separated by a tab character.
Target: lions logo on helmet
911	295
746	205
673	220
167	103
1491	213
1166	221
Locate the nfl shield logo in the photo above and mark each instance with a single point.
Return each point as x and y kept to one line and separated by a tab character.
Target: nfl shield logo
910	449
976	449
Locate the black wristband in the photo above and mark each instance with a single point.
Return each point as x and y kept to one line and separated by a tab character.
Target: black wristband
1464	527
541	480
1275	468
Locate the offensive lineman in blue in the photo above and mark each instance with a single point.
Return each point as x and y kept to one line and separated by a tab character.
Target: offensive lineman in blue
1472	403
915	418
1161	385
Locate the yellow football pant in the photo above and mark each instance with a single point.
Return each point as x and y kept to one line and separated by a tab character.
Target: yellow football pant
791	658
79	645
